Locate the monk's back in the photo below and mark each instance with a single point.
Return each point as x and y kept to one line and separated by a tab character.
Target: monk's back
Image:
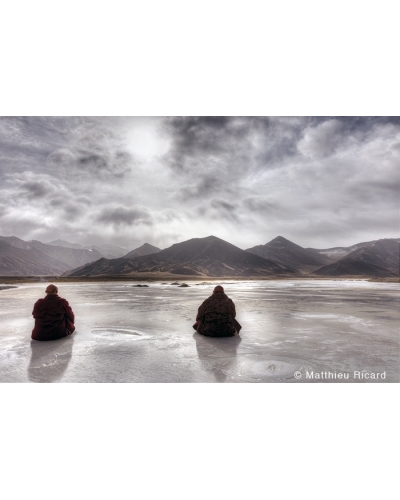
53	318
217	315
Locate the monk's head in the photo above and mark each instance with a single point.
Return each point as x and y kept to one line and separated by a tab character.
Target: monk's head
218	289
52	289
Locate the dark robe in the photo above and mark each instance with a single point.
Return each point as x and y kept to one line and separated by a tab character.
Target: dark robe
54	318
216	317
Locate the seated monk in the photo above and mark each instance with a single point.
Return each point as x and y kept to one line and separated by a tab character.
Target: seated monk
216	316
53	315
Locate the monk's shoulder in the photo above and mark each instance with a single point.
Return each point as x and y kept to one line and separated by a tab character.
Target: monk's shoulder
229	304
63	301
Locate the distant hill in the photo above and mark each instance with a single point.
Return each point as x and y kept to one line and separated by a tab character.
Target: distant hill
383	253
353	267
15	261
209	256
378	258
289	254
337	253
58	259
145	249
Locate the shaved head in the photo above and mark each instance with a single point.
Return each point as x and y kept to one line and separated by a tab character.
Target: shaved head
218	289
52	289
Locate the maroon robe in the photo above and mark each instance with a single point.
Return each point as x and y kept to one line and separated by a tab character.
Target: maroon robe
216	317
54	318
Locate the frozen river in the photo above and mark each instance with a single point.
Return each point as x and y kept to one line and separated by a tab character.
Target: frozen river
293	331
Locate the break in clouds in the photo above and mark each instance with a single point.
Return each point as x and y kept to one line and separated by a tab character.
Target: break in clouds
320	182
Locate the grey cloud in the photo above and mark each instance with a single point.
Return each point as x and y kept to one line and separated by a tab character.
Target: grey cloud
36	189
98	162
217	209
84	200
166	216
309	178
323	139
225	211
71	210
211	156
111	163
122	216
41	198
224	156
61	158
99	149
261	204
197	140
361	125
248	139
228	207
204	186
71	145
3	210
377	192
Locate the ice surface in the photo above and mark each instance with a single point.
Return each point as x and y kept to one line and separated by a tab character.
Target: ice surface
144	334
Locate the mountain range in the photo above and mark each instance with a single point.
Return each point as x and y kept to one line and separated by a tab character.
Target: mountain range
285	252
376	258
24	258
201	257
209	256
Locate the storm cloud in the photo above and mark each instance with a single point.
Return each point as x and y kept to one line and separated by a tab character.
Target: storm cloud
318	181
125	216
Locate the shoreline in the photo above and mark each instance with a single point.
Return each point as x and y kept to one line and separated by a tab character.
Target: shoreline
9	280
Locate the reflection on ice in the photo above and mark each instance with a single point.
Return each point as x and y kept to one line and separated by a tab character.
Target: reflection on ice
126	336
218	355
49	360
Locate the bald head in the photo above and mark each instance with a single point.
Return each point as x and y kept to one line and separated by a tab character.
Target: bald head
52	289
218	289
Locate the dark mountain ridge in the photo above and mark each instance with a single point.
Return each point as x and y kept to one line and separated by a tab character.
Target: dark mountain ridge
145	249
208	256
353	267
379	258
290	254
337	253
383	253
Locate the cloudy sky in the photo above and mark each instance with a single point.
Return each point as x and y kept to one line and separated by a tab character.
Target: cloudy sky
320	182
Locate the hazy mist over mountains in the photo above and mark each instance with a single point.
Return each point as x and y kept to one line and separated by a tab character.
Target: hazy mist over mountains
201	257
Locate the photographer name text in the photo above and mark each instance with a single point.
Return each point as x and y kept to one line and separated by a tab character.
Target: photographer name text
326	375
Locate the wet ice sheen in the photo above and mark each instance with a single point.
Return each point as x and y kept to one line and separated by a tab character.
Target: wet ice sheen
126	336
